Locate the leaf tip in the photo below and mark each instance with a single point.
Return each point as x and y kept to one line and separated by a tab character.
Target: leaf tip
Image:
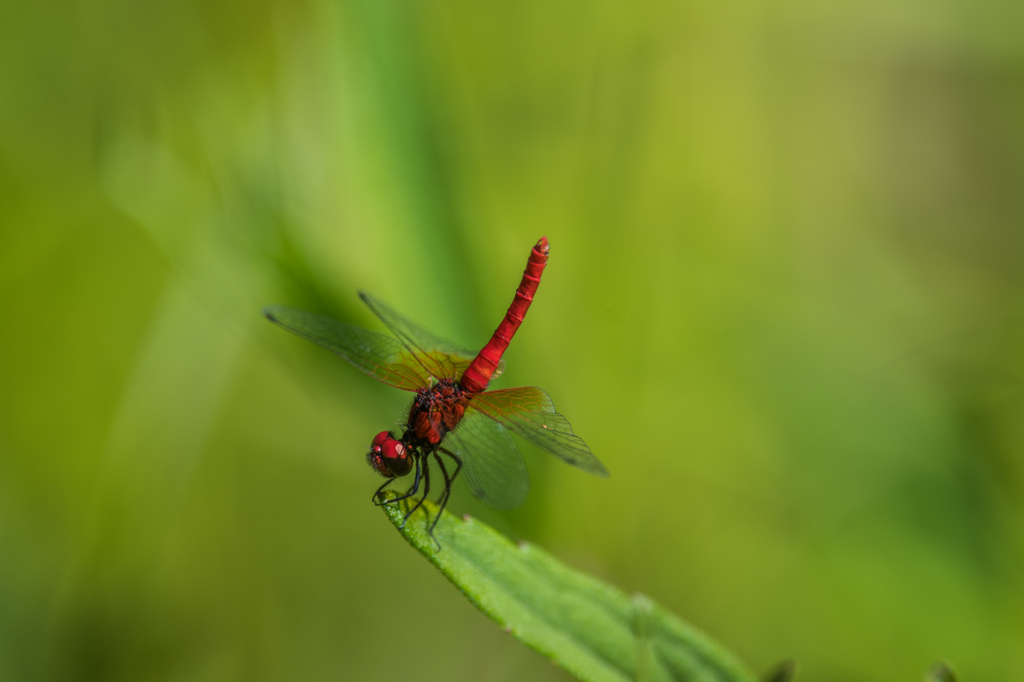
941	671
783	672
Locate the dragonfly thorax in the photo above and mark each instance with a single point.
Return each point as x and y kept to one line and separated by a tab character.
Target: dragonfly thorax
435	411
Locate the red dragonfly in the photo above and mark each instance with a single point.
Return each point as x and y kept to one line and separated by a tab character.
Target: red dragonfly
453	413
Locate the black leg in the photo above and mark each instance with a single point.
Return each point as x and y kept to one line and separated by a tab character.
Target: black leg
442	502
380	490
408	493
426	491
448	482
458	462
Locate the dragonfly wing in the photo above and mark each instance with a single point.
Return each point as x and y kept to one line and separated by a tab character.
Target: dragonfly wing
529	412
442	358
492	466
378	355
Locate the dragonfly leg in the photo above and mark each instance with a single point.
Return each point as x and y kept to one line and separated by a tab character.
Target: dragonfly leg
426	491
443	501
380	490
458	462
408	493
458	468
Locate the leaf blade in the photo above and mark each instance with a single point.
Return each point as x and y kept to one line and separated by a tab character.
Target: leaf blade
584	625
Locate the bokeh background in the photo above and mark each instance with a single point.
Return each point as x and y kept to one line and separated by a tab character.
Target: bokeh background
785	306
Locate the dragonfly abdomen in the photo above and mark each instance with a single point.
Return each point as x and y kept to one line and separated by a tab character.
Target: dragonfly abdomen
479	373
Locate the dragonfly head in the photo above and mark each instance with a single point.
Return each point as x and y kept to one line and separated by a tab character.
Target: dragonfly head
389	456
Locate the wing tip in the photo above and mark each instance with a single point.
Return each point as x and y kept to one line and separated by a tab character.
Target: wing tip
268	312
595	467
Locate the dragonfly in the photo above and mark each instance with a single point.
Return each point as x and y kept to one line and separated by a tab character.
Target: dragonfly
452	414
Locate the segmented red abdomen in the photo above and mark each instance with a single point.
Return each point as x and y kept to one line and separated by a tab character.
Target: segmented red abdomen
478	374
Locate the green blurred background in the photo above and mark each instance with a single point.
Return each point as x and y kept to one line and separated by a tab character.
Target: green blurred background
785	306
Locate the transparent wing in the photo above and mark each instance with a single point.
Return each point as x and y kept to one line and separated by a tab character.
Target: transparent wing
491	464
378	355
441	358
528	412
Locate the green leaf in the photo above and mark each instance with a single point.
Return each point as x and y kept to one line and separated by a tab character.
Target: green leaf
941	671
588	627
783	672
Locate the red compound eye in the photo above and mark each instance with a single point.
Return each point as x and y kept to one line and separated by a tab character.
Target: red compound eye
374	457
396	457
388	456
